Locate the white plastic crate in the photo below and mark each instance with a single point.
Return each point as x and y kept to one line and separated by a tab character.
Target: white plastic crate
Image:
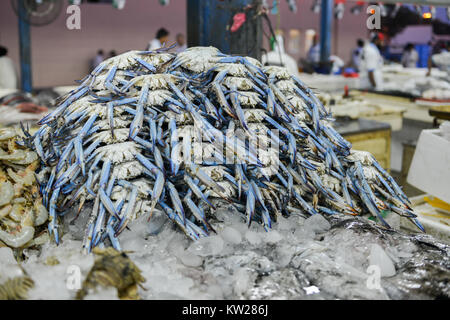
430	167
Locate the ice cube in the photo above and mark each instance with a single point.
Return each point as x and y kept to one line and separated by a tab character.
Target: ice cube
378	257
253	237
211	245
189	259
231	235
284	224
284	254
304	234
317	223
272	236
241	281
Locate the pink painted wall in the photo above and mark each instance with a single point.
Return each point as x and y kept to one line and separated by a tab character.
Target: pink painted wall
60	56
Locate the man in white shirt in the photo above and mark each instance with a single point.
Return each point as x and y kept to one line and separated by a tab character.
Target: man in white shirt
410	56
371	76
162	36
278	57
8	76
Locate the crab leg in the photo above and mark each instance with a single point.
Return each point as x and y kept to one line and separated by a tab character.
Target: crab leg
125	218
198	214
136	124
157	191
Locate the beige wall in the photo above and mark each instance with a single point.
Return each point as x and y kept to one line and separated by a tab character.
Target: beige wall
60	56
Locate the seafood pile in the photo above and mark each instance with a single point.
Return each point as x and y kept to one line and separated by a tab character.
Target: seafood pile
153	131
22	213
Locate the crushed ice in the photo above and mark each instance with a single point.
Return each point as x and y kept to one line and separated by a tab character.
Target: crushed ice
313	258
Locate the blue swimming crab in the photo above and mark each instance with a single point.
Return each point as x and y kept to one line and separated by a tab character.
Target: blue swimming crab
132	138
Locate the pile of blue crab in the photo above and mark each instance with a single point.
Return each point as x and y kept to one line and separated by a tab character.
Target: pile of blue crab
115	142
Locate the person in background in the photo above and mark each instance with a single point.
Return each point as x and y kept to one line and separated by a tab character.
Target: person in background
97	59
8	76
310	64
356	55
112	53
336	64
181	43
371	64
162	36
410	56
313	56
279	57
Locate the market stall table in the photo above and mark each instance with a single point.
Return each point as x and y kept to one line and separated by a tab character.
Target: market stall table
368	135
